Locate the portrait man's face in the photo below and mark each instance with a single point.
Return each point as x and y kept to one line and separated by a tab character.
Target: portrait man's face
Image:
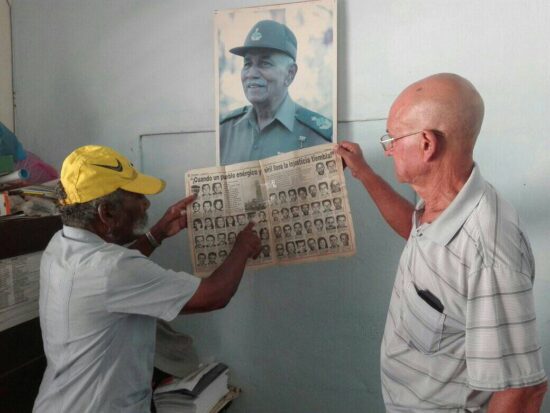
290	247
331	166
207	206
333	241
280	250
341	221
292	195
319	224
285	212
337	203
345	239
312	244
315	206
302	193
241	219
197	224
217	187
196	207
277	231
266	76
212	258
201	258
287	230
231	237
206	189
308	226
320	168
210	241
312	191
282	196
199	241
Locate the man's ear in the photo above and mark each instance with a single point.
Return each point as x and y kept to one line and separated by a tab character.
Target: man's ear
292	70
431	145
106	215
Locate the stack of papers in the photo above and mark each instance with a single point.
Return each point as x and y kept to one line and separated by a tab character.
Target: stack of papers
200	392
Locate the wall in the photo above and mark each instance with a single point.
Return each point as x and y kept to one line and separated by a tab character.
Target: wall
6	93
302	338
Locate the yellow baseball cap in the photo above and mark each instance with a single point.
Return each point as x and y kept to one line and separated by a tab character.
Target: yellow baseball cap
93	171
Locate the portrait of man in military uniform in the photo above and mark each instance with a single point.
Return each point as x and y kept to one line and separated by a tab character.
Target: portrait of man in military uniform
273	119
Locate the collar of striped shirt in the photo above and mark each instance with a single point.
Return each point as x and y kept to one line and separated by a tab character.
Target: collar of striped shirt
445	227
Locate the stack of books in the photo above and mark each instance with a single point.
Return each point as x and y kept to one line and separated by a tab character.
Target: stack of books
204	391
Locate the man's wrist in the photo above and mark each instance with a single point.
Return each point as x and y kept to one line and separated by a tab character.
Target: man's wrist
155	243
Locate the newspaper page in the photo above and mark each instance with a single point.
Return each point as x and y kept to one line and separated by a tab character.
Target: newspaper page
308	205
228	198
19	289
297	200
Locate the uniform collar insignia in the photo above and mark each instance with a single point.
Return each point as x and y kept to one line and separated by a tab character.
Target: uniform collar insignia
322	123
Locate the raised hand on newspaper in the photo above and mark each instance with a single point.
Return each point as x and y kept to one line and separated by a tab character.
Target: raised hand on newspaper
172	222
352	156
248	242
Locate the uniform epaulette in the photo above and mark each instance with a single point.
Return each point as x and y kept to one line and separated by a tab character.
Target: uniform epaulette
233	114
320	124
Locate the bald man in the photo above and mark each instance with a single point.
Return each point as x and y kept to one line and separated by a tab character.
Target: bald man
461	332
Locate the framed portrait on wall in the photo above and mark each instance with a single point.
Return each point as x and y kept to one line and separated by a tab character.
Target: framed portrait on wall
275	74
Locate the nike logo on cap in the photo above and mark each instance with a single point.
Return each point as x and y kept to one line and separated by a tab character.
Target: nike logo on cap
117	168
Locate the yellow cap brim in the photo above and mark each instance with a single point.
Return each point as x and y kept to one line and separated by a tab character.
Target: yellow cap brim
145	184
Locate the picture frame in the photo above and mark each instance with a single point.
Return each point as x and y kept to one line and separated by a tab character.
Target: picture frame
246	94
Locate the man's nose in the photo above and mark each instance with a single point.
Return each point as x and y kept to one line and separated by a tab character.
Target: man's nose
252	72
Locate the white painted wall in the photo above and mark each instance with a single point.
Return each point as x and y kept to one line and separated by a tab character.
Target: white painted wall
6	93
303	338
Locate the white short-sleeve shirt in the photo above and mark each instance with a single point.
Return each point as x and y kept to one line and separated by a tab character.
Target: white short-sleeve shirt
98	308
480	336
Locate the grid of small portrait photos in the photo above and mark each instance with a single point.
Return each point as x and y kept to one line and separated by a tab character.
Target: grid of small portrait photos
297	202
215	231
310	220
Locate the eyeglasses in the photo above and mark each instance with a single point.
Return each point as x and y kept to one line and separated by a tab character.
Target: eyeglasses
387	141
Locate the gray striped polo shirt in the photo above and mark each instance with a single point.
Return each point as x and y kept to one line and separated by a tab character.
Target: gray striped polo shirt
461	322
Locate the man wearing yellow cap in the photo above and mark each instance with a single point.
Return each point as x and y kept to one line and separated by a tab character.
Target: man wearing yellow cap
100	299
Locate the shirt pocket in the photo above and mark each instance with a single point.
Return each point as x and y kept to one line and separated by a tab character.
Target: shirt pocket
423	323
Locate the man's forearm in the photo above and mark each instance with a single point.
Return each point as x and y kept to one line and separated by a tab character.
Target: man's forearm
395	209
216	291
522	400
